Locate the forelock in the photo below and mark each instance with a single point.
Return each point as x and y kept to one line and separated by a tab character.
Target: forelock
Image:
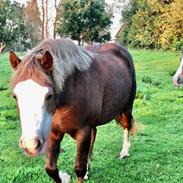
30	68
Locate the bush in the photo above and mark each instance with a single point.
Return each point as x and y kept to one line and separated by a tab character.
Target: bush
3	87
148	80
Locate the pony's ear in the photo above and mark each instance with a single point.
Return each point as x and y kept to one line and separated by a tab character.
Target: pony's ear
14	60
47	61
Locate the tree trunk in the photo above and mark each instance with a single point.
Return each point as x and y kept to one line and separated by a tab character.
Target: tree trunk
2	47
56	5
43	20
46	19
79	42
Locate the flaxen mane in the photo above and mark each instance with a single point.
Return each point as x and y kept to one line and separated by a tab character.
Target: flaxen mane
66	57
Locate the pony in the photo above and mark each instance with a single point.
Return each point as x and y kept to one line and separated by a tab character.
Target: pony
62	88
178	76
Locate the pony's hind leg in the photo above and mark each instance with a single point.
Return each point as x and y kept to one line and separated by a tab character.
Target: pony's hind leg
126	144
126	121
93	135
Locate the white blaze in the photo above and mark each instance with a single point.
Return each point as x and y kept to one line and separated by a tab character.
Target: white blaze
35	119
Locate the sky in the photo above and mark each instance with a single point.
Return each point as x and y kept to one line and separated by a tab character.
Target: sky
116	20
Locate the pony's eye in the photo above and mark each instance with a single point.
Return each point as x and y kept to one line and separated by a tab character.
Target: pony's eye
49	97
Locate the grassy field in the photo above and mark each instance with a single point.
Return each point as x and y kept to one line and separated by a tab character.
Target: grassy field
157	149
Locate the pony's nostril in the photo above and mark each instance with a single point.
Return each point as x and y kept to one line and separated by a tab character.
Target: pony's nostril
39	143
178	80
22	144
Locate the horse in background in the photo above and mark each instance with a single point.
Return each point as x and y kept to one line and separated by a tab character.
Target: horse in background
178	77
62	88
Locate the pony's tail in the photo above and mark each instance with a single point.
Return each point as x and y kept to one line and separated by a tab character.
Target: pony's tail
127	122
134	126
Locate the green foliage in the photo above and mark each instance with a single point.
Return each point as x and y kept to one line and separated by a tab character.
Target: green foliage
172	72
127	14
148	80
12	29
153	24
156	151
85	21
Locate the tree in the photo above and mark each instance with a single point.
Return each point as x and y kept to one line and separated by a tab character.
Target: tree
171	26
142	28
45	18
2	23
85	20
41	18
33	21
49	13
127	13
57	7
13	32
153	24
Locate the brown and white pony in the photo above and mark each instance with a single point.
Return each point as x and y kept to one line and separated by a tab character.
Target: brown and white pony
178	77
63	88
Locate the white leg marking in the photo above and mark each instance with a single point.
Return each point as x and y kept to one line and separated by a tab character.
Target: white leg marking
65	177
126	145
86	177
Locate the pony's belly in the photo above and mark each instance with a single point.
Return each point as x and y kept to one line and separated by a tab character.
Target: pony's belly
106	118
104	121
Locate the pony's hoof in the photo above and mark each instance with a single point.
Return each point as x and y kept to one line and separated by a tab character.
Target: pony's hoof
124	154
65	177
86	177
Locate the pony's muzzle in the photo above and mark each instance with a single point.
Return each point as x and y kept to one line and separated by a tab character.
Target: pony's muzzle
180	80
31	146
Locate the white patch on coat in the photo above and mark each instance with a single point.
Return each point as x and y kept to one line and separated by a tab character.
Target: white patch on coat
35	120
126	145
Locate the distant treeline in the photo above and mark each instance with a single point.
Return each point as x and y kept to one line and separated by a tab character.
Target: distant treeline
152	24
23	26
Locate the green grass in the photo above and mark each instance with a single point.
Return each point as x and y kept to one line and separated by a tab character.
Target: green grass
156	152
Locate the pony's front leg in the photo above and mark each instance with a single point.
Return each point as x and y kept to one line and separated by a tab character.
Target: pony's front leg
55	136
52	153
93	136
83	138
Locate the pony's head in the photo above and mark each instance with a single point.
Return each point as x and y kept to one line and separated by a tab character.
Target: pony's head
178	77
37	82
35	97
